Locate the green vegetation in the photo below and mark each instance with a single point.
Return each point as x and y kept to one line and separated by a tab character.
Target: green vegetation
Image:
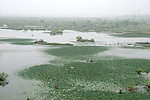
3	80
133	47
80	39
143	44
41	41
147	83
55	32
140	70
136	25
19	41
78	79
64	44
138	35
75	51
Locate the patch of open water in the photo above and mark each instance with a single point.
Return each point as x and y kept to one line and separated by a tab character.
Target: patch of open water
17	57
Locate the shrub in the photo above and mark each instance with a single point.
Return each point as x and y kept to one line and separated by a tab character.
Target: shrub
92	40
3	80
79	38
3	76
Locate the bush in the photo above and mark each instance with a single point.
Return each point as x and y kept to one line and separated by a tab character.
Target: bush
3	80
3	76
92	40
79	38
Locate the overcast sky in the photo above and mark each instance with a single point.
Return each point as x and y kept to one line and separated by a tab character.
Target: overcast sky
74	8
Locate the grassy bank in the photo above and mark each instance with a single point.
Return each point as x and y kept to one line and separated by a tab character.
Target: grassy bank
79	79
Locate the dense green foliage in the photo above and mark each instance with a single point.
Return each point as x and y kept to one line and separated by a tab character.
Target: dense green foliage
84	80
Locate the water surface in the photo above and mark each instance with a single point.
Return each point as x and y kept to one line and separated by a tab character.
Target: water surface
69	36
14	58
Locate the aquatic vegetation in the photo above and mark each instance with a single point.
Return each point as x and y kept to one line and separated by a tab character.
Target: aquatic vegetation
41	41
132	35
147	84
134	47
19	41
3	77
16	40
142	42
76	51
63	44
55	32
140	70
102	79
131	87
80	39
99	74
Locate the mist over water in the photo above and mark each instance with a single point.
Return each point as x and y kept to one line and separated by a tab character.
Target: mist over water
74	8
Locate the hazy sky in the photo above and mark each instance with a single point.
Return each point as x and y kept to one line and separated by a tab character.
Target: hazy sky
75	8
